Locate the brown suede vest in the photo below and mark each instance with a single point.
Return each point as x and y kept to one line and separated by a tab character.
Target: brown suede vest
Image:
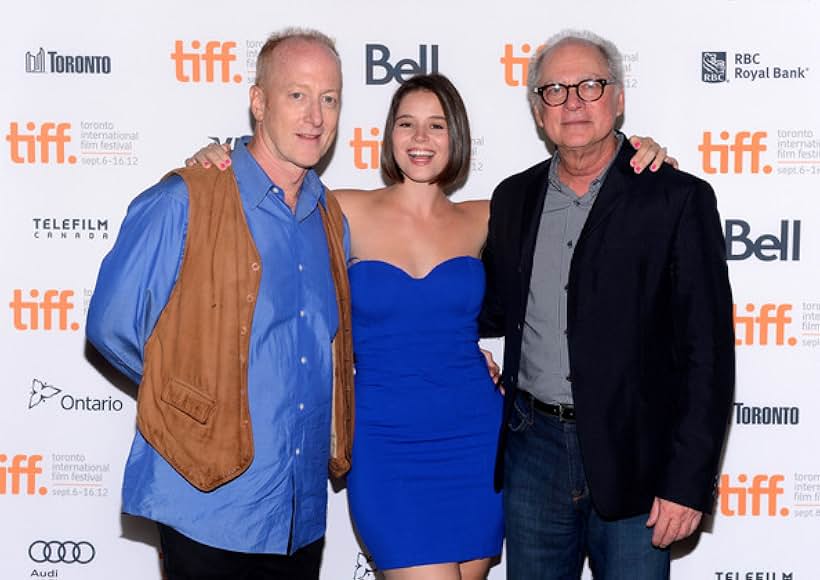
193	400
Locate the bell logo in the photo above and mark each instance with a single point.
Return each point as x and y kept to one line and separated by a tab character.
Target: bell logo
41	313
377	57
740	245
754	326
747	500
366	152
516	66
745	145
21	476
191	64
52	138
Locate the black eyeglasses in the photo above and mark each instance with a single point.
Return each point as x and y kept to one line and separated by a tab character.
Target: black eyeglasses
556	94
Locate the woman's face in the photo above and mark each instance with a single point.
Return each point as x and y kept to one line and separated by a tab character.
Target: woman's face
421	140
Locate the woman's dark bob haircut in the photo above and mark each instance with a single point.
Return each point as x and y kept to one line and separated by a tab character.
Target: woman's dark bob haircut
458	129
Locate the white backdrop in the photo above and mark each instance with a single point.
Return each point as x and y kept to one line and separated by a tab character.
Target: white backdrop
100	99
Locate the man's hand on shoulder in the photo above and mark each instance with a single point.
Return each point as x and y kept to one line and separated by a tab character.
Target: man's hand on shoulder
672	522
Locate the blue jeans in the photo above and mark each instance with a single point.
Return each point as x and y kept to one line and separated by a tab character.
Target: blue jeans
550	521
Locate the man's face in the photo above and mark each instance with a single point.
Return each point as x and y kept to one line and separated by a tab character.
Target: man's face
577	124
297	109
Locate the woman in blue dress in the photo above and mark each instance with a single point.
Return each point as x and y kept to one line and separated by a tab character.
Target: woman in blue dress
427	412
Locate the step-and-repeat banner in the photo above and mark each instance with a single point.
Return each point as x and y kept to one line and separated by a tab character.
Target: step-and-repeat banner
100	99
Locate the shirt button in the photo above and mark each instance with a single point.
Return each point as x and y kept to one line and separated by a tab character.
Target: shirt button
298	451
569	244
303	360
255	266
566	287
301	267
276	190
301	314
569	378
577	203
243	330
566	332
301	406
249	297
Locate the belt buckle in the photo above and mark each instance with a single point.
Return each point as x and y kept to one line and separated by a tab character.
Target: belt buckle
562	409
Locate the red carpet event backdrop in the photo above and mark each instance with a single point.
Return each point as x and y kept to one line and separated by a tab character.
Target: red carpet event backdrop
100	99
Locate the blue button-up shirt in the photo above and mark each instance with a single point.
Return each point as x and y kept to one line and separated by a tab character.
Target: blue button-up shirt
280	502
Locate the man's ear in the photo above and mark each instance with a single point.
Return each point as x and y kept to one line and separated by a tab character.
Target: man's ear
536	113
257	98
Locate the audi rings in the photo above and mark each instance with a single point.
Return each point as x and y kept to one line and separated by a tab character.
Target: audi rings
55	552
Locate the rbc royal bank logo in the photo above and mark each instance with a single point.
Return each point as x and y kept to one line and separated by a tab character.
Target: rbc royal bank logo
713	67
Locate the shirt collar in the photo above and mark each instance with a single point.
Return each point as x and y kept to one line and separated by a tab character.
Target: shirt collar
254	184
596	184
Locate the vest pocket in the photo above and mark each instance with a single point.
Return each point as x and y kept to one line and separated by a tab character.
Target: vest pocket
188	400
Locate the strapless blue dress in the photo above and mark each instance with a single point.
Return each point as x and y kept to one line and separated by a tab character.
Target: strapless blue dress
427	417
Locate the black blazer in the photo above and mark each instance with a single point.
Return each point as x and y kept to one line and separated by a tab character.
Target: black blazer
650	330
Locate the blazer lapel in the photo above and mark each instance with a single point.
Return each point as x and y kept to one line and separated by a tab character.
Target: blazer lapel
531	218
615	185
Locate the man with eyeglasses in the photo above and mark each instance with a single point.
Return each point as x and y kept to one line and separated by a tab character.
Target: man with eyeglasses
612	292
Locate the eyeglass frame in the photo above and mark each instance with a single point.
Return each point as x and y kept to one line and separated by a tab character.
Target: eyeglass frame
602	82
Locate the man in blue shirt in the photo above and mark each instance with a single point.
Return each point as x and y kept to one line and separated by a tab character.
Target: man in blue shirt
268	522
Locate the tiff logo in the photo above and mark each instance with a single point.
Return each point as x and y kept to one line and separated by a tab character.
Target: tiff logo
41	314
21	475
747	500
745	145
36	63
193	64
366	152
516	66
52	138
754	327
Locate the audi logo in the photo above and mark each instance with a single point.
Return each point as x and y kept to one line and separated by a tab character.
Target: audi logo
55	552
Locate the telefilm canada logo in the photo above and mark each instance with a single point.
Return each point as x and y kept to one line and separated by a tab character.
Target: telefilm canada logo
70	228
42	392
722	67
50	61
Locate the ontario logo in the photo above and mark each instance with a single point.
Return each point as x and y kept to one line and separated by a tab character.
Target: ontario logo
41	392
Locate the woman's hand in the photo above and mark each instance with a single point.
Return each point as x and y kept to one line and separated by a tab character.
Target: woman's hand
213	154
649	154
492	366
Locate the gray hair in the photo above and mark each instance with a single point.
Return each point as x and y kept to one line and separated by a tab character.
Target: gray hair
277	38
612	56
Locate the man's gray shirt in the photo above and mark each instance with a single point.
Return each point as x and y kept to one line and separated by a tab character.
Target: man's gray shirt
544	351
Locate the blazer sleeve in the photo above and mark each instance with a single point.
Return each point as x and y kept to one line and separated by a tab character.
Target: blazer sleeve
704	344
491	321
